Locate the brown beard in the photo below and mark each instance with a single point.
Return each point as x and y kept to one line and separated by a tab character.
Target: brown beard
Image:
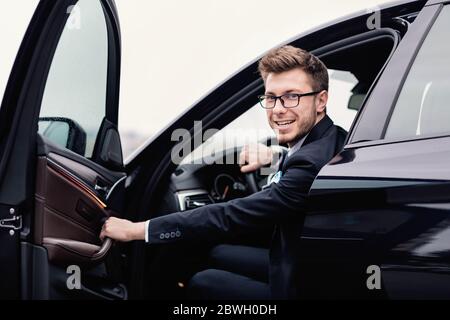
307	123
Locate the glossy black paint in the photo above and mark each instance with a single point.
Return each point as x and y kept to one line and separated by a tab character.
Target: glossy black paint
383	203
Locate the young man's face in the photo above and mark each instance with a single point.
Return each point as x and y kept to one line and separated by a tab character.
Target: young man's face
292	124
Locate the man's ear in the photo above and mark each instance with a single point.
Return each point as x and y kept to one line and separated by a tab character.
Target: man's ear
321	101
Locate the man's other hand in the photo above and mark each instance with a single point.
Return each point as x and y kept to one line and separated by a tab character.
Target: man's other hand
123	230
254	156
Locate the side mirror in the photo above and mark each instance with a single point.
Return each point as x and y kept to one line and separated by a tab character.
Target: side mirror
108	148
64	132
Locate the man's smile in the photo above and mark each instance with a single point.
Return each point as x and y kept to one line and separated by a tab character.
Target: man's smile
283	124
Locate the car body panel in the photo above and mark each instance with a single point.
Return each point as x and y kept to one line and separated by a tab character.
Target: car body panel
381	204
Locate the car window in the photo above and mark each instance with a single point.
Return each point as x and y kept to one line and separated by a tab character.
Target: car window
252	126
423	104
344	97
249	127
76	85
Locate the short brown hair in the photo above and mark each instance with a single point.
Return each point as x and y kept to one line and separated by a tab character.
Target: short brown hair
287	58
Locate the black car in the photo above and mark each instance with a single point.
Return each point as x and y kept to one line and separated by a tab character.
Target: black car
377	224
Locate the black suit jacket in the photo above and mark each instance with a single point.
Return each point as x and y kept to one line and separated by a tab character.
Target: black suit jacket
281	205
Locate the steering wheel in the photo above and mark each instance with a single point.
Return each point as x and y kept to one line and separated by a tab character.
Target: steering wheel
251	179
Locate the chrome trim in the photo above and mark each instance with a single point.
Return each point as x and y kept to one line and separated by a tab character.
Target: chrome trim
114	185
181	195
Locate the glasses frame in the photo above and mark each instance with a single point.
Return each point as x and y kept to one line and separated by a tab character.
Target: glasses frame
299	95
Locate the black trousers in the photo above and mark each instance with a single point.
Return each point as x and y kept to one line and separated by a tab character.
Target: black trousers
236	273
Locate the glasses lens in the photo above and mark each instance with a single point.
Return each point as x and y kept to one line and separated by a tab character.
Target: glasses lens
267	102
290	100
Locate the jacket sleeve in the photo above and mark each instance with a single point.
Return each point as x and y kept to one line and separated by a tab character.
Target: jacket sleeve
280	203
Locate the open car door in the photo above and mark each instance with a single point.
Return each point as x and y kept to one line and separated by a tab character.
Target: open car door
61	167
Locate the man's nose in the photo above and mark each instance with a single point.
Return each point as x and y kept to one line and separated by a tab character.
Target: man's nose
279	107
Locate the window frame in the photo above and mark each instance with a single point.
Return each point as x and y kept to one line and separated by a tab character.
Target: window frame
373	120
395	104
25	88
110	109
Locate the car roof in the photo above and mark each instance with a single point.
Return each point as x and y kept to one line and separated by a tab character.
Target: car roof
384	7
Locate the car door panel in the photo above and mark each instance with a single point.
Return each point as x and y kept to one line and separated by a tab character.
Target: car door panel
69	211
57	198
393	200
67	215
382	203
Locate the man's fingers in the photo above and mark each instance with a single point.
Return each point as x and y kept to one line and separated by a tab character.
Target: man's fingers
250	167
243	157
103	231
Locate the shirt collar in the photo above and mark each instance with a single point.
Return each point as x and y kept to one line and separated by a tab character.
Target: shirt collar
296	146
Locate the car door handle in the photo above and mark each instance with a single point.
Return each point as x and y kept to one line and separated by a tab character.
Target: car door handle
64	251
104	249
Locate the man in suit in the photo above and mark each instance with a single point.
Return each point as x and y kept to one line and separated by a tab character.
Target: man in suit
296	94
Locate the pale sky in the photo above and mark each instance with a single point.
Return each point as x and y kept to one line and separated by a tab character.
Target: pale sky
174	52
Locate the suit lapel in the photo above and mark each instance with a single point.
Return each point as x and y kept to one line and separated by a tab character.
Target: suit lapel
316	133
318	130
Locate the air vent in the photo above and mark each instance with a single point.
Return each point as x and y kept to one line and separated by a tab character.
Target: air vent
196	201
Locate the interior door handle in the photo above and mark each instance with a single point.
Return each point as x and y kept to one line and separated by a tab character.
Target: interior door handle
69	251
87	207
104	249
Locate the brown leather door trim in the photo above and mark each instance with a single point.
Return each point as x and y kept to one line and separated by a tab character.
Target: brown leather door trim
68	251
71	220
68	216
83	172
69	176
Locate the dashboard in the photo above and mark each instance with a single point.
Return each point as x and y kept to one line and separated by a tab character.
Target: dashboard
196	185
203	182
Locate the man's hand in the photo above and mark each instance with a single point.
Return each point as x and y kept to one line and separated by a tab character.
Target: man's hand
254	156
123	230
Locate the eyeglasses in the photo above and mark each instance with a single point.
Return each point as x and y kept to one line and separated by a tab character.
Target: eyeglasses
288	100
